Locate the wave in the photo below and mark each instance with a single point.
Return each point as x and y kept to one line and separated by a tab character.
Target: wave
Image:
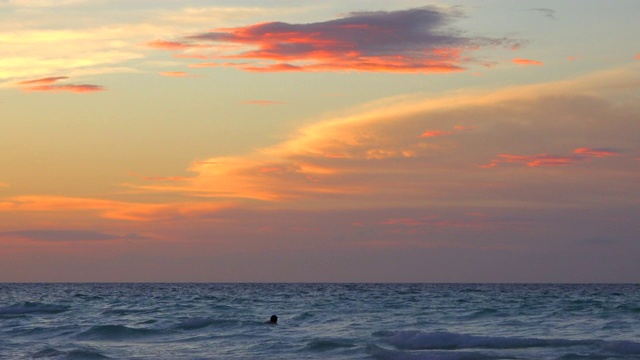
418	340
71	355
115	333
32	308
386	354
195	323
328	344
122	312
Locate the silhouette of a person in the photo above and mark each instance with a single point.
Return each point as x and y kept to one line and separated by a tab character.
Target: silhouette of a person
273	320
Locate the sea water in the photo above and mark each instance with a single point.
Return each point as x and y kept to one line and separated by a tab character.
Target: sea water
319	321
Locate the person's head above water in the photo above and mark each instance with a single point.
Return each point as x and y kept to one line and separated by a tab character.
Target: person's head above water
273	319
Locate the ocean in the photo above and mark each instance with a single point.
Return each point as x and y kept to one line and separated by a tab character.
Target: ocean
319	321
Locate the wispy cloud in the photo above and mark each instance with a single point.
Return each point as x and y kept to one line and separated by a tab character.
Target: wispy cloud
543	160
43	81
176	74
379	156
49	85
415	40
521	61
38	42
437	133
110	209
65	235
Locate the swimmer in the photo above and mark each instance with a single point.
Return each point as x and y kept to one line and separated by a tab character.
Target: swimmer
273	320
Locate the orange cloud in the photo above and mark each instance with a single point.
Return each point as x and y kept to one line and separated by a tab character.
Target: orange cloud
597	152
540	160
377	156
110	209
521	61
48	85
175	74
543	160
85	88
44	81
168	45
435	133
408	41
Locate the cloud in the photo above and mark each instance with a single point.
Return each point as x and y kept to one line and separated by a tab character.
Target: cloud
110	209
542	160
521	61
437	133
44	81
65	235
38	42
168	45
176	74
597	152
47	85
73	88
39	3
376	156
409	41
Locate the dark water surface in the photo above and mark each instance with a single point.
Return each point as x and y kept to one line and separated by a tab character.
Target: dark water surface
319	321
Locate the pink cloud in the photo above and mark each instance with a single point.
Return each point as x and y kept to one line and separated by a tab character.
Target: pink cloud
546	160
410	41
49	85
175	74
110	209
168	45
540	160
597	152
44	81
84	88
521	61
437	133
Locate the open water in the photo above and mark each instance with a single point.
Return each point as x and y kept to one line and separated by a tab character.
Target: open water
319	321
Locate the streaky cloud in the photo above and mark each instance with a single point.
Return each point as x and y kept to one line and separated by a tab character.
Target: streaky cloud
419	40
72	88
49	84
43	81
381	154
65	235
521	61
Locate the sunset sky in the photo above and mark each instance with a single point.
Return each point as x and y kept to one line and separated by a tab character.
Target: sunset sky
328	141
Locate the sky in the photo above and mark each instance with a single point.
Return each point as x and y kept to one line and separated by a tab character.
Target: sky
306	141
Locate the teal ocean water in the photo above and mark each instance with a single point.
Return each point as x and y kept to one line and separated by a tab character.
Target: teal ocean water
319	321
